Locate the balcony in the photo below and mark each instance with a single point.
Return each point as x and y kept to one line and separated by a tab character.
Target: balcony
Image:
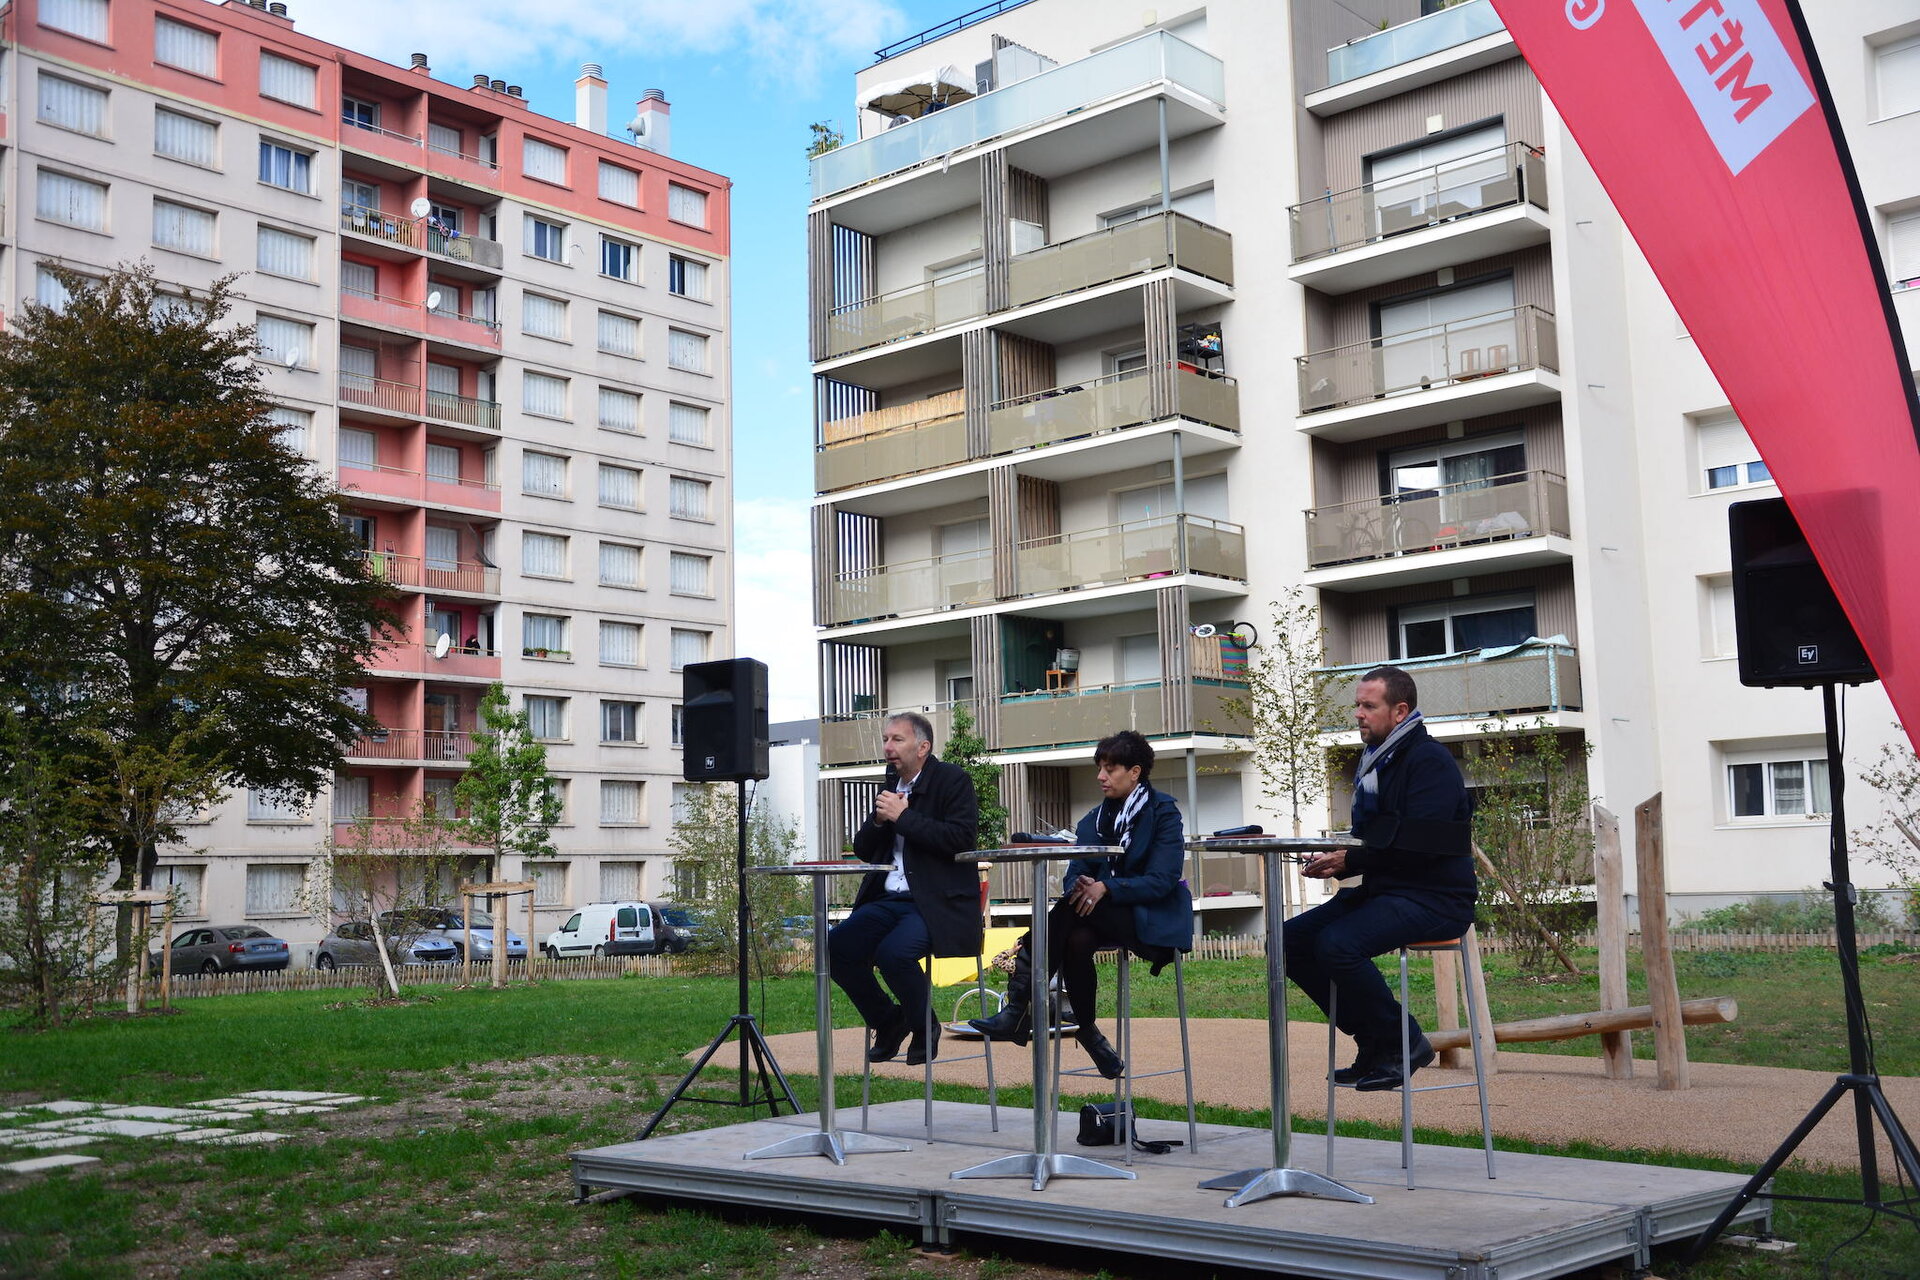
377	308
916	586
455	326
1492	513
1428	49
464	410
1153	548
435	575
1462	369
1031	721
402	398
855	739
1108	404
1536	678
467	167
412	486
1419	222
413	744
1155	59
906	313
900	440
417	235
416	661
1115	253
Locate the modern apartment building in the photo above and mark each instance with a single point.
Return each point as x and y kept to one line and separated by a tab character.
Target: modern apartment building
1122	325
503	335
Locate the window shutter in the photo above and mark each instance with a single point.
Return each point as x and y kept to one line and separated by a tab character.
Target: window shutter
1723	442
619	486
543	160
284	254
620	644
619	185
72	105
619	565
1903	249
189	48
287	80
184	138
687	423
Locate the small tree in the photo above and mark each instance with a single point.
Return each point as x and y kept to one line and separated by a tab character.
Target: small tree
1288	706
705	842
507	799
1894	840
1533	821
825	138
384	871
966	748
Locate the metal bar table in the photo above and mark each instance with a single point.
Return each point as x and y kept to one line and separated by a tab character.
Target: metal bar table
1259	1184
833	1143
1045	1162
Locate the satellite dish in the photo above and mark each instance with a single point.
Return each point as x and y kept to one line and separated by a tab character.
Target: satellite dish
433	300
292	357
421	207
440	646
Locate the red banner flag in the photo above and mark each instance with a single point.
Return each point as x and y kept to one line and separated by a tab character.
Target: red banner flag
1709	124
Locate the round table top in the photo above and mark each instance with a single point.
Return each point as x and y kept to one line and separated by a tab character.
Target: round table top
1044	852
1274	844
820	868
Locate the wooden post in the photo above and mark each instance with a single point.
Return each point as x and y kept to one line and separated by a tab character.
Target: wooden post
166	958
531	944
1610	902
137	927
1656	947
1446	1000
466	935
1476	972
498	913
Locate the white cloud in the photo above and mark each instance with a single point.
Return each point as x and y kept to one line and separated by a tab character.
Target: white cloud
772	576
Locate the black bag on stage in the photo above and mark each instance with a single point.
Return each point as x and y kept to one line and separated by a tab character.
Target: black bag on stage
1100	1127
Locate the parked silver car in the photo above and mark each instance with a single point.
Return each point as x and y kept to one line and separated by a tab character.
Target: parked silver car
448	923
225	948
352	943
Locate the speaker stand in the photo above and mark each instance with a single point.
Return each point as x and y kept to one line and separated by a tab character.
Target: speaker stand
1869	1101
757	1062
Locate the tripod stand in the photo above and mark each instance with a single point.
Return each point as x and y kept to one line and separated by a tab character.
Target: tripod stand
753	1045
1869	1102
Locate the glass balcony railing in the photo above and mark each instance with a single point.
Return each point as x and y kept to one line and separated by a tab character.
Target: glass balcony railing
1114	253
904	313
1411	40
1525	504
900	440
1496	179
1422	359
1152	59
1108	404
1527	679
1140	549
915	586
1030	720
855	739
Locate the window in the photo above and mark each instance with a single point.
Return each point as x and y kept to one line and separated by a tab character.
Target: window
686	423
619	335
621	881
546	239
48	290
1903	249
1436	178
543	555
175	226
557	788
295	427
619	565
360	113
684	204
77	17
543	475
543	160
620	644
1896	73
188	885
284	167
181	137
549	883
542	634
444	139
286	80
359	279
175	44
1137	659
679	718
359	450
688	646
689	500
174	308
440	799
1716	631
687	350
543	395
620	721
1778	788
686	277
1455	625
622	186
287	342
621	803
283	253
268	806
359	195
1446	468
75	201
619	410
690	575
443	463
617	258
1728	459
68	104
546	717
543	317
1470	329
619	487
352	797
274	889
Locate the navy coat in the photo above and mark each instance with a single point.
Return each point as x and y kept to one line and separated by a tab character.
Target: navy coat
940	820
1147	876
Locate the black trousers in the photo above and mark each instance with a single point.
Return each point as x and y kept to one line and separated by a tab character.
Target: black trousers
1072	940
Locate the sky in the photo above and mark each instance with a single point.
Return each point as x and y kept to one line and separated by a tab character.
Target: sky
745	78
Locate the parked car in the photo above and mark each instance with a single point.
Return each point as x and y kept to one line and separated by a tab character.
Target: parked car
447	922
352	943
226	948
622	929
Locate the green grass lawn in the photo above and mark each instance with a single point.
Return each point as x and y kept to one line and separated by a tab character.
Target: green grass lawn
461	1170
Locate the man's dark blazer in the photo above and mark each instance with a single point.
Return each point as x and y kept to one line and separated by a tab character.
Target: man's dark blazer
942	818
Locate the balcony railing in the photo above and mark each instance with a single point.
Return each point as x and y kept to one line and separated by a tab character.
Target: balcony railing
1029	720
407	138
408	658
378	393
413	744
1114	253
419	234
899	440
465	410
400	482
1139	549
903	313
481	331
1152	59
1411	40
1533	678
1495	179
1479	347
1524	504
439	575
380	308
1108	404
855	739
917	586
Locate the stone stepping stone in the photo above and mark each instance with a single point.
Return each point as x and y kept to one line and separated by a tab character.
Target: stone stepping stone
45	1141
290	1095
122	1128
47	1162
201	1135
160	1113
53	1124
11	1115
221	1138
293	1110
65	1107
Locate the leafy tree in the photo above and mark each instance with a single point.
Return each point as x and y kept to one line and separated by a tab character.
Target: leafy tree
1288	706
1532	820
966	748
384	871
170	572
825	138
1893	840
507	798
705	841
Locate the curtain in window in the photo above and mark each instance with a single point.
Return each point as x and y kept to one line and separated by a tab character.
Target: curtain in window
294	424
543	555
619	722
549	883
352	797
690	574
443	138
175	226
187	884
439	797
49	292
687	423
287	80
689	498
543	394
443	465
619	801
620	881
619	486
619	565
359	450
81	17
688	278
543	474
284	254
443	546
76	201
543	160
543	631
184	138
687	350
72	105
279	338
542	316
618	184
547	717
620	644
684	204
178	45
688	646
619	410
275	890
264	806
619	335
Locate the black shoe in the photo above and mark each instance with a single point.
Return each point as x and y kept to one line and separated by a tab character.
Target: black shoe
1354	1073
1387	1076
1014	1022
920	1049
1106	1059
887	1041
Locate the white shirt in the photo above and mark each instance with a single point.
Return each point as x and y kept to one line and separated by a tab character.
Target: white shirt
897	874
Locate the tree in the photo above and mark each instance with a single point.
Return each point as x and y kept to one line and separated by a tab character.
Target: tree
966	748
507	798
1532	820
171	573
705	841
1288	707
1894	840
825	138
385	871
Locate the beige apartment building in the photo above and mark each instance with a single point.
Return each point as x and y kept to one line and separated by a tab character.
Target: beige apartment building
502	334
1123	322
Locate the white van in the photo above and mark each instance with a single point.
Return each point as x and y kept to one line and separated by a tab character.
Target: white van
621	929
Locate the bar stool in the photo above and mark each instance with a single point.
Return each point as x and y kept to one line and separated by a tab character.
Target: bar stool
981	991
1123	1026
1471	981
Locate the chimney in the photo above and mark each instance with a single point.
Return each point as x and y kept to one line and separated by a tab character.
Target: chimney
420	64
480	80
498	86
277	10
652	126
513	91
590	99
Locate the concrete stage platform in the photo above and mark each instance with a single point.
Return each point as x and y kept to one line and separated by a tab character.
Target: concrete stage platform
1545	1216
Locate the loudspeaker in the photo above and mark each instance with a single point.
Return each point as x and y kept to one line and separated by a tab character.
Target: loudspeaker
1787	623
723	720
